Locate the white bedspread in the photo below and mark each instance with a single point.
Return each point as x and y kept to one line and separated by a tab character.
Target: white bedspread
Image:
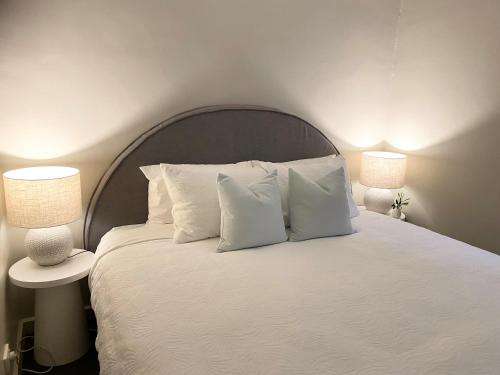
391	299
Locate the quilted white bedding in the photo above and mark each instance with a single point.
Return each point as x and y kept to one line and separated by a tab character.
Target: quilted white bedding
392	298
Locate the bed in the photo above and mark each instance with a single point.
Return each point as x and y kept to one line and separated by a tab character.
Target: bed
393	298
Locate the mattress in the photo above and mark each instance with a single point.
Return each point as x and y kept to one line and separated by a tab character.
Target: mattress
393	298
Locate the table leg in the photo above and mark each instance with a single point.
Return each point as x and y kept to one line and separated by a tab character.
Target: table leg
60	325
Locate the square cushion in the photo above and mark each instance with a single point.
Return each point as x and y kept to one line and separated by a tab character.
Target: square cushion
250	214
318	208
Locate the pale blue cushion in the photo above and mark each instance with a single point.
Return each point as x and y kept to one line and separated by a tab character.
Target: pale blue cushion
250	215
318	208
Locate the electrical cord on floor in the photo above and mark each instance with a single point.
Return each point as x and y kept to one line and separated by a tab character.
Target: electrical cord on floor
19	344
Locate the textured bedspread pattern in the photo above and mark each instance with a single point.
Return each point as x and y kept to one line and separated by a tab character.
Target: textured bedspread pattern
392	298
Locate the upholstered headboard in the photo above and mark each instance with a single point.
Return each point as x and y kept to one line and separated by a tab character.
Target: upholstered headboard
209	135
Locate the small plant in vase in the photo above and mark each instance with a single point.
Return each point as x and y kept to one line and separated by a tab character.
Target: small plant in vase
398	204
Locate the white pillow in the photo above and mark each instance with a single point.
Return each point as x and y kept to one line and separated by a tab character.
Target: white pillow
313	169
195	203
318	208
250	215
159	202
322	159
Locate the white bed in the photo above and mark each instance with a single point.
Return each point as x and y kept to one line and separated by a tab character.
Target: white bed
392	298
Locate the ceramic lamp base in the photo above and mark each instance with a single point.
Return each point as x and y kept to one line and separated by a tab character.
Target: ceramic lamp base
49	246
379	200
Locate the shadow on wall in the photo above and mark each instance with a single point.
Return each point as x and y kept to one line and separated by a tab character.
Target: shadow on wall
459	181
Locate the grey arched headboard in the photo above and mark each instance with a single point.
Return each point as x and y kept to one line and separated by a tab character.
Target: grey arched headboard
209	135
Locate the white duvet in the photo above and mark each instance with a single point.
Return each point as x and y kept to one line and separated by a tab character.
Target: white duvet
392	298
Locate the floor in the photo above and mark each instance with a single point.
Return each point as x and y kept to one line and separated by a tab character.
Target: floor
87	365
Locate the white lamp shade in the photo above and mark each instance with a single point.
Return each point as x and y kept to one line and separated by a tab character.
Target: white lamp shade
42	197
384	170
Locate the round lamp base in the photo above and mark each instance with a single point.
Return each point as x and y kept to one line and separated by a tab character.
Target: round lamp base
49	246
379	200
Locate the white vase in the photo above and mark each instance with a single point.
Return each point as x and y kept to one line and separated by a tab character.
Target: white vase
396	213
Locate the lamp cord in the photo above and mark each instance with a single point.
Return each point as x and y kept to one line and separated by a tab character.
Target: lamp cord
19	344
80	252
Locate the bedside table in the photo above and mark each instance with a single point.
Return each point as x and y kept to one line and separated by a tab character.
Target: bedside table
60	323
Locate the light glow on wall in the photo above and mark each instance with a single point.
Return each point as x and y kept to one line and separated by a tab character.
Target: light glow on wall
39	144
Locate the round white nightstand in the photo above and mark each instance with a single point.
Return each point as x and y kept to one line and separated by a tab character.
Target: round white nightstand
60	323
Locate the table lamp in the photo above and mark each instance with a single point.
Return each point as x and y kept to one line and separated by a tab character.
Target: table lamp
381	171
44	199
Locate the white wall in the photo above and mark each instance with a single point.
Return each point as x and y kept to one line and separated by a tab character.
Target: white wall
445	112
78	73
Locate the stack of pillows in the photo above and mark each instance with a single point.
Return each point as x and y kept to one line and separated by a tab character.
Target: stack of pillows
251	203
